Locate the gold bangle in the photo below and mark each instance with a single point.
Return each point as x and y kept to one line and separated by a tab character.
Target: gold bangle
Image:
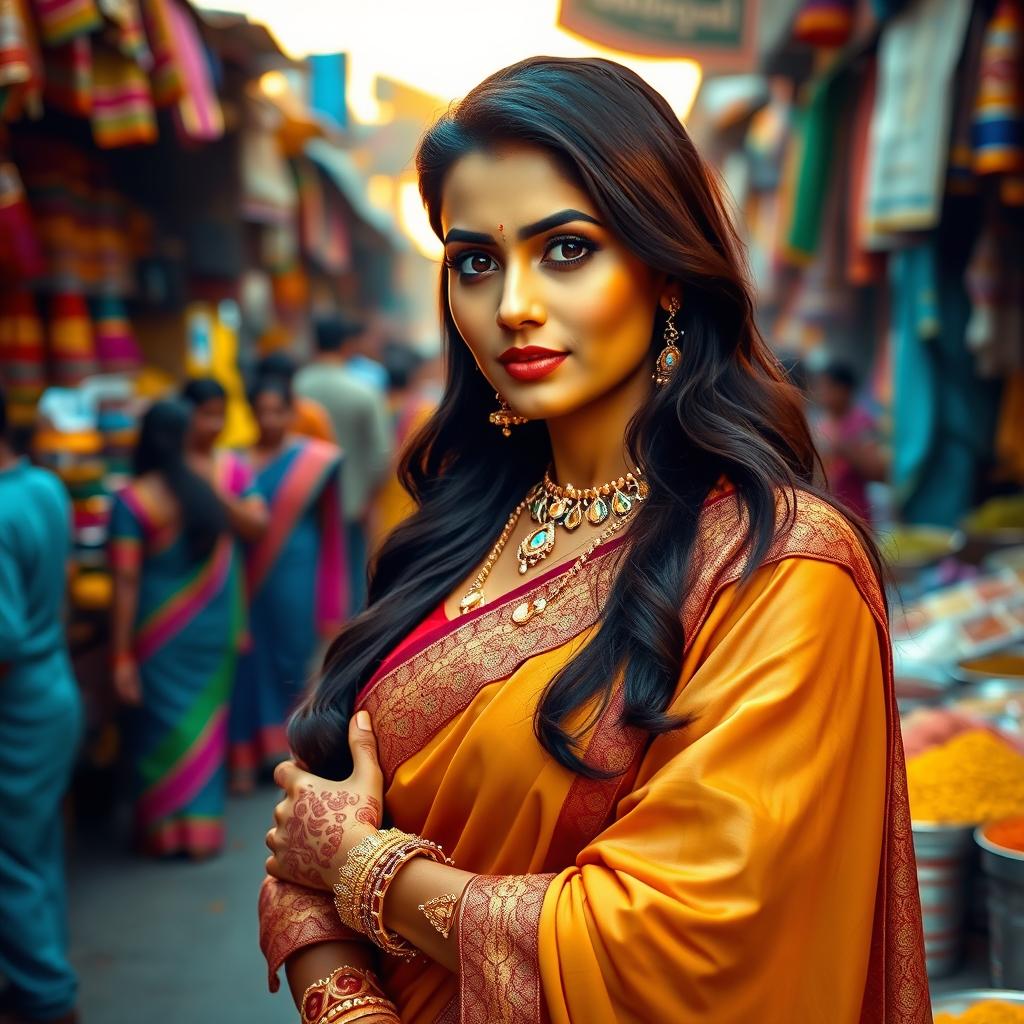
347	986
354	872
364	879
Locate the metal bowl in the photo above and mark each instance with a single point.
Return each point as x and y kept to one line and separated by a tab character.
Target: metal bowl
959	1002
909	549
1008	681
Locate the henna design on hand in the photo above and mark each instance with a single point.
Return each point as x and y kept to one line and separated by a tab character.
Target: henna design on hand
316	828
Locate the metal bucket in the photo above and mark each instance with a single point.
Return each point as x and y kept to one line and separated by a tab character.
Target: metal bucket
1005	872
943	855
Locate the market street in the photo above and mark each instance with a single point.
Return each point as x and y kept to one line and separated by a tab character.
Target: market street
173	940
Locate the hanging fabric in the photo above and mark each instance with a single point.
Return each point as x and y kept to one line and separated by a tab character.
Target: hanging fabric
198	116
122	104
21	65
63	20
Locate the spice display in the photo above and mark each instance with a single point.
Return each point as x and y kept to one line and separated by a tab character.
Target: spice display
991	1011
1008	834
974	777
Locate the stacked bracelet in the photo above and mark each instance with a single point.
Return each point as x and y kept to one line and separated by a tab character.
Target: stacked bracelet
364	879
344	997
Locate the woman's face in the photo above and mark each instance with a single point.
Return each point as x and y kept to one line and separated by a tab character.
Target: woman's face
273	416
556	311
207	423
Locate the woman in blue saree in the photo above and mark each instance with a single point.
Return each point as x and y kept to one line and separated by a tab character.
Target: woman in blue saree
179	617
296	580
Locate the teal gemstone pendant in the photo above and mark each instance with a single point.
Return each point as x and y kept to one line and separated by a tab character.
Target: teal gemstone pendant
668	360
536	546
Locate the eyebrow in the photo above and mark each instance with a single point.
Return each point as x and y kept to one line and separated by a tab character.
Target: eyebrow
554	220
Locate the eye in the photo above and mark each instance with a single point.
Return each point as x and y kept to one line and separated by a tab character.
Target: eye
473	264
568	250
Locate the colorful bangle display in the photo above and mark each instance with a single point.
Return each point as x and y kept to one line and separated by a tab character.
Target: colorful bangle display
344	996
363	882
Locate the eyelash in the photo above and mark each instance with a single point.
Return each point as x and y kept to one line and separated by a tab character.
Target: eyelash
590	247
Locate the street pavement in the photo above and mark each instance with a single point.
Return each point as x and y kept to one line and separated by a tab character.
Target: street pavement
173	940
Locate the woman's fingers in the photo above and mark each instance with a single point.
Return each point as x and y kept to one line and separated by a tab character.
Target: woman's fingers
270	840
365	766
286	774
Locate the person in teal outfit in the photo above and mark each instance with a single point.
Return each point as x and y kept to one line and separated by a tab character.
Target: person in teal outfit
40	728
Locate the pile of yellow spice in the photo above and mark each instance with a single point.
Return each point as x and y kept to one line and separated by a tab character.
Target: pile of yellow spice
975	777
991	1011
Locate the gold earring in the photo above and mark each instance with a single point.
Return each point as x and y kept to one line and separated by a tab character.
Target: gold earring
669	356
505	418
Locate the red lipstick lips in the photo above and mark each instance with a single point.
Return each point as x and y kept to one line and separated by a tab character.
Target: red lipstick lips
531	362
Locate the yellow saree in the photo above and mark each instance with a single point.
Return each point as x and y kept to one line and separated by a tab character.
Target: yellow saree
755	865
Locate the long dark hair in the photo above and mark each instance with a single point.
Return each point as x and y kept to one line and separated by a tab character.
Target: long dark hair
728	410
161	449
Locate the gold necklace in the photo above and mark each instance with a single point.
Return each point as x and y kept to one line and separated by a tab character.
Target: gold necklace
528	609
551	506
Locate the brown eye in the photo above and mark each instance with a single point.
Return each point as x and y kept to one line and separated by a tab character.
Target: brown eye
473	264
568	250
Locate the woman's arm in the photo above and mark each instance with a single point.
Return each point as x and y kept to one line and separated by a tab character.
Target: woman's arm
247	516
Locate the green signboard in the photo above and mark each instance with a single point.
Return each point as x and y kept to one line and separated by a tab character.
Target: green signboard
721	34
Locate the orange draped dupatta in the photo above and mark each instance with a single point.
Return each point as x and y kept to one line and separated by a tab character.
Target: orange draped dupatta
755	865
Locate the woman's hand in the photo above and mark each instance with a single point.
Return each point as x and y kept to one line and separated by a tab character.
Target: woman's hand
318	822
126	682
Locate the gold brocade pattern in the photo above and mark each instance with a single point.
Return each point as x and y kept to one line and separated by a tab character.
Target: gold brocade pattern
498	966
450	1014
414	700
293	917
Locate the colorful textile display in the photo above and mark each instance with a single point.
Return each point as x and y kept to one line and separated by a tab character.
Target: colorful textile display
22	355
68	76
115	343
825	23
21	256
999	110
122	105
917	56
63	20
818	126
167	80
129	34
72	352
21	65
198	115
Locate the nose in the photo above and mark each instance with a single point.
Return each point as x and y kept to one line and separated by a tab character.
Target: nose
520	304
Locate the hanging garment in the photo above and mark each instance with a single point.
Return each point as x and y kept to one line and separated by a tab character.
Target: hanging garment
21	64
197	116
122	105
999	108
63	20
72	350
917	56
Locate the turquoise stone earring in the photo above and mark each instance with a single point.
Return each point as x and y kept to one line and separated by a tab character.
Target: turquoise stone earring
669	356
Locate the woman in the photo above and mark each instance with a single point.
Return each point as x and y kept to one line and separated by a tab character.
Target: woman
660	745
296	580
178	617
223	468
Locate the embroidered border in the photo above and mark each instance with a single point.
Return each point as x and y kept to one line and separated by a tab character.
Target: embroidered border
417	698
499	969
293	917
